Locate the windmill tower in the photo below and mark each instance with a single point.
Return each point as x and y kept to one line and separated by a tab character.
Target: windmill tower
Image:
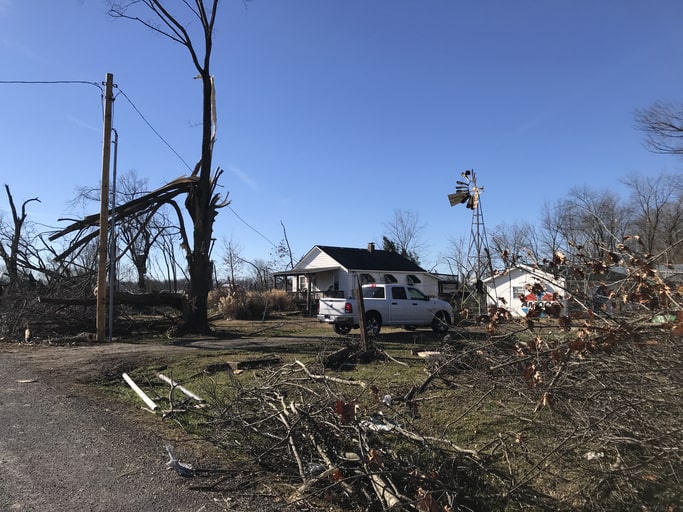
478	263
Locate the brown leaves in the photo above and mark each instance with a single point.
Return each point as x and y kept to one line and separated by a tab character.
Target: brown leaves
346	410
559	258
677	329
425	502
532	376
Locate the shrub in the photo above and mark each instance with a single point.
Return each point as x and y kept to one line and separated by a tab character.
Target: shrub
243	305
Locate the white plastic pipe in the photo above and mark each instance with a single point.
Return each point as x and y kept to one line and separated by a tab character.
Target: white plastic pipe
181	388
140	392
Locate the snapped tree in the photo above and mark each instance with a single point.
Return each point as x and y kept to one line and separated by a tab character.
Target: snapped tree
13	244
201	200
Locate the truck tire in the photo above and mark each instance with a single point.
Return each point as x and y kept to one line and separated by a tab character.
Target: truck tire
440	322
342	329
373	323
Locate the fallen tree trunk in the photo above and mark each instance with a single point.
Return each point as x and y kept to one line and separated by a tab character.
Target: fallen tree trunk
174	300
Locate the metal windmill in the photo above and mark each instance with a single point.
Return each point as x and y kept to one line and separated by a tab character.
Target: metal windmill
479	264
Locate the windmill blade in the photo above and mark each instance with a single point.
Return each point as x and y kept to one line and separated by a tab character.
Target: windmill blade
459	197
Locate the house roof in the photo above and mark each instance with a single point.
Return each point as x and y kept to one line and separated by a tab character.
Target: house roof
363	259
523	269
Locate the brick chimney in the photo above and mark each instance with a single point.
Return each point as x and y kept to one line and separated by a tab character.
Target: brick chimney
371	246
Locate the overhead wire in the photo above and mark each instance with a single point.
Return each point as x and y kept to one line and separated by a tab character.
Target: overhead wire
145	120
153	129
190	168
50	82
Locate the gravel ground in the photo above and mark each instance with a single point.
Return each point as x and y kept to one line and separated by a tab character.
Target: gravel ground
65	448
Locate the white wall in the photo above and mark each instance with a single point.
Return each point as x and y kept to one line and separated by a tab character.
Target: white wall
506	286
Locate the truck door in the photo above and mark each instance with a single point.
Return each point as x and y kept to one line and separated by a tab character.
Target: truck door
420	308
401	308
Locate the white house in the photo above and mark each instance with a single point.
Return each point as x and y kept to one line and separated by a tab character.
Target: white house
335	271
523	288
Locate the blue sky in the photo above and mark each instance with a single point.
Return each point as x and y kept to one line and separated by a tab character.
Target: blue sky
332	114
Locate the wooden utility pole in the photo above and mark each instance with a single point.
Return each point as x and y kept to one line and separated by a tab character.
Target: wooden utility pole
104	212
361	316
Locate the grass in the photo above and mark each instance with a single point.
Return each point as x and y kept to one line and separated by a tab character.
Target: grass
535	456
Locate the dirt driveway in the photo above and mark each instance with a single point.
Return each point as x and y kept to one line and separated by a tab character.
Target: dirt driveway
63	447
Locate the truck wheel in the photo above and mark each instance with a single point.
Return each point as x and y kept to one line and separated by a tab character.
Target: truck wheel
342	329
373	324
440	322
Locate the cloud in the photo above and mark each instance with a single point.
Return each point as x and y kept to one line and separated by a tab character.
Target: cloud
80	122
242	176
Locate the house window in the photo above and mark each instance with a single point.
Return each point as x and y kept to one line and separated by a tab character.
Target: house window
413	279
518	291
366	278
388	278
302	283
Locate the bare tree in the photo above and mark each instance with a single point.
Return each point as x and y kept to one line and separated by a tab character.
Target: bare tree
456	258
141	231
403	234
283	258
13	242
657	203
262	274
514	244
591	221
233	260
201	203
551	229
662	124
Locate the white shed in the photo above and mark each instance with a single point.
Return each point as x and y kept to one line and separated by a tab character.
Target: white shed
524	288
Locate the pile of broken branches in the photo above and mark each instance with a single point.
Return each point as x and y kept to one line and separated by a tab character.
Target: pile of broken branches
335	440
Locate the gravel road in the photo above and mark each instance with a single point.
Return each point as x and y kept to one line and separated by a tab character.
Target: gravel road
62	449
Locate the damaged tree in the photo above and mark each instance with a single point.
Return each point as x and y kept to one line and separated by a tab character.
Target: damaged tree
202	202
11	243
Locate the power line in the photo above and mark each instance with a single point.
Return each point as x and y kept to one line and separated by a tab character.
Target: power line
252	227
155	132
137	110
51	82
190	169
57	82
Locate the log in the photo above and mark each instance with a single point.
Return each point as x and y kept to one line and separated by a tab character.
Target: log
339	357
174	300
259	362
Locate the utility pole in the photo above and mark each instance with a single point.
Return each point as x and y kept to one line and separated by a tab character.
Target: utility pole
104	212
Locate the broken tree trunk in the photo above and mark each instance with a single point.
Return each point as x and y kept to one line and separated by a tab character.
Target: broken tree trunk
174	300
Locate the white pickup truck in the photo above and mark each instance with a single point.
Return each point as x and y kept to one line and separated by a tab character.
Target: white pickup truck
387	304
